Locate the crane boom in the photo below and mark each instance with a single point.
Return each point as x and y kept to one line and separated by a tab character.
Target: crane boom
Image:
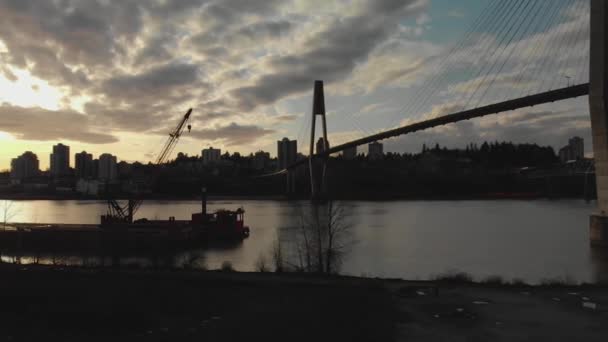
173	138
122	213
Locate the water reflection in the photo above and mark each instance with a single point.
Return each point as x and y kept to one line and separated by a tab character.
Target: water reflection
530	240
187	259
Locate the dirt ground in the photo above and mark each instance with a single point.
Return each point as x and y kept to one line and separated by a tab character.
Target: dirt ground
69	305
502	313
93	305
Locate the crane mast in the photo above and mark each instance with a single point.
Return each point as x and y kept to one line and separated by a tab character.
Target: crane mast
117	212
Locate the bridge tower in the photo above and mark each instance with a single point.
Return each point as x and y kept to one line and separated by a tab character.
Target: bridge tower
598	107
317	168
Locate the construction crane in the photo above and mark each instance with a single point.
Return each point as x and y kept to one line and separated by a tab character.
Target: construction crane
118	213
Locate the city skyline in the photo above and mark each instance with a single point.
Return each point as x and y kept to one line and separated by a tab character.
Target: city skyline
286	152
254	87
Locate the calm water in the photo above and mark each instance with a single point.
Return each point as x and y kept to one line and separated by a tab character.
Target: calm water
530	240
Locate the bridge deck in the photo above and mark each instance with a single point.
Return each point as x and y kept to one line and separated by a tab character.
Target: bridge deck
528	101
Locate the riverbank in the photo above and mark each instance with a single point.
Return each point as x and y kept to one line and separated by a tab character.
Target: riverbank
87	304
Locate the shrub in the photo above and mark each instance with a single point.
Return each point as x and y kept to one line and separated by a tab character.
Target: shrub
261	265
455	277
494	280
227	266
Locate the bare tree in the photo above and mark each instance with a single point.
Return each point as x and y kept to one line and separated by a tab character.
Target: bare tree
322	239
8	210
338	237
277	256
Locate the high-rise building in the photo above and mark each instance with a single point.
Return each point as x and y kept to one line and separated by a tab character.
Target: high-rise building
60	160
577	145
83	165
287	151
95	169
322	145
107	167
375	151
349	153
573	151
261	160
25	166
211	155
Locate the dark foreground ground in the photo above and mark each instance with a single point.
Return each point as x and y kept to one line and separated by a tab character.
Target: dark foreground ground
45	304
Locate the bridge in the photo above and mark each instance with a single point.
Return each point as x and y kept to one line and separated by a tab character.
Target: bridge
528	101
513	23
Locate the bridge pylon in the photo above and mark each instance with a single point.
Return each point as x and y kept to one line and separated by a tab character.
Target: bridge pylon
598	107
318	167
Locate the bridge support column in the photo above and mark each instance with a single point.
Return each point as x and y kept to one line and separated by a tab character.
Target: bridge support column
290	186
318	185
598	106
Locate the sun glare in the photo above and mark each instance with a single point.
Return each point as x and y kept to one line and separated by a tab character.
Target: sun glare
5	136
29	91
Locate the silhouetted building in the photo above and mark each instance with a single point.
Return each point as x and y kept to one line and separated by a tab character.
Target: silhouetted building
261	160
25	166
107	167
349	153
124	169
287	151
60	160
83	165
322	145
211	155
575	150
95	171
375	151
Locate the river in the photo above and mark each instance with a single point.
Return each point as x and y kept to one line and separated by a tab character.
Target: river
531	240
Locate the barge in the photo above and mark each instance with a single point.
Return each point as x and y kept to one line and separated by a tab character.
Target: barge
203	228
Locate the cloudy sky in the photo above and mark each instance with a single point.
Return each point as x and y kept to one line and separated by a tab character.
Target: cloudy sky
115	76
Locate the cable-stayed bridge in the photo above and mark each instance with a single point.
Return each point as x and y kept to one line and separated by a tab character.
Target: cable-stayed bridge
515	54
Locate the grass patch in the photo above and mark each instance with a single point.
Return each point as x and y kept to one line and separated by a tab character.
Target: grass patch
558	282
494	280
454	277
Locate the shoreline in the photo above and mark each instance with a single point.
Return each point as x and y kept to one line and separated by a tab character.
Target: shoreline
448	280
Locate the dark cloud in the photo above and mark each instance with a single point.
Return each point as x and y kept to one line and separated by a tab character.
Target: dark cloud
42	124
229	11
157	49
263	30
331	54
154	83
80	32
232	134
170	8
135	118
147	100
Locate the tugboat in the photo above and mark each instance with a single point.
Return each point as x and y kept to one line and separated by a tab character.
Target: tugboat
220	225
